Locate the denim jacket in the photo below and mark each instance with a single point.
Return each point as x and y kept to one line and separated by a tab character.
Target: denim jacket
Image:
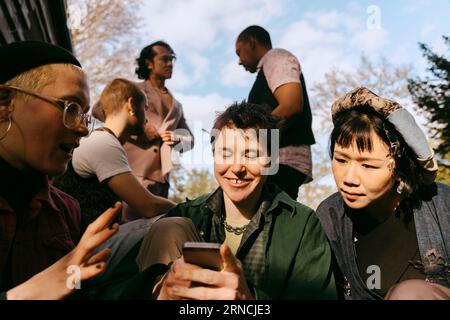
432	222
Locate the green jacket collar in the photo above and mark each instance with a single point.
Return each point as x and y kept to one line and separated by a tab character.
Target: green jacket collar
280	198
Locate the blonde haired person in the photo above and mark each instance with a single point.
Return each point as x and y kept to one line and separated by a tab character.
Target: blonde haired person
44	98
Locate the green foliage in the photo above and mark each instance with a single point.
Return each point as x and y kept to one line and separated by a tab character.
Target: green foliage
432	96
379	76
190	184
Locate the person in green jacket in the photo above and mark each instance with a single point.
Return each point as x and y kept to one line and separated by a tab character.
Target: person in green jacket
272	246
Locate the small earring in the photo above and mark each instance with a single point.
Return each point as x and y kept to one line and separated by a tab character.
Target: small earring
7	129
131	113
400	187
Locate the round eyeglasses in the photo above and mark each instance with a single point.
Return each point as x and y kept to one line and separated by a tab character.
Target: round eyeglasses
73	113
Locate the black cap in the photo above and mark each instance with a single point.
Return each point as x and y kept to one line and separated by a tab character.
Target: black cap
18	57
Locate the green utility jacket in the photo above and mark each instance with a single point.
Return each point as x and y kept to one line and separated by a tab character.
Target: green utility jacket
297	253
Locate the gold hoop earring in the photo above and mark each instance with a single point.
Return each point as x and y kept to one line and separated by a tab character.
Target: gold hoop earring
7	129
401	187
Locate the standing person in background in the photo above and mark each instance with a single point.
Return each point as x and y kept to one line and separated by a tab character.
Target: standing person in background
149	154
280	85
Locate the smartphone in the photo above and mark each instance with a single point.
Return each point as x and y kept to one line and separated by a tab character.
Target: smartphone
203	254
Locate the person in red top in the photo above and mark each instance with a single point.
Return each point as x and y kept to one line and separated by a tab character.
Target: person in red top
44	98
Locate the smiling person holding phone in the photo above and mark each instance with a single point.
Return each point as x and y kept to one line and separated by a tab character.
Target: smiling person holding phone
272	246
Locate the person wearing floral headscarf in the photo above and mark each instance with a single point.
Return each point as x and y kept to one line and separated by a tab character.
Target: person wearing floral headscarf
389	222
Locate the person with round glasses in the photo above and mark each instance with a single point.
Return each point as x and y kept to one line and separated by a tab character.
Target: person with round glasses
73	114
44	98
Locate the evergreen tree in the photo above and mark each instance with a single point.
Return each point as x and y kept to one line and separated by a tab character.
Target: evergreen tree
432	96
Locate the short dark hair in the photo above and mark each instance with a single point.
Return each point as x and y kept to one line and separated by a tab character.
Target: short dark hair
258	33
246	115
356	125
118	92
148	53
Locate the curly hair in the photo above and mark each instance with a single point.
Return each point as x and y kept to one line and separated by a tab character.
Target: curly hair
148	53
356	126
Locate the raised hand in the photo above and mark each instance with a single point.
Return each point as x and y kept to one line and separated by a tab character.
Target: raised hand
54	282
169	137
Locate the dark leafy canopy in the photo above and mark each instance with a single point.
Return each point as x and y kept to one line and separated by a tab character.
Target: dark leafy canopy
432	95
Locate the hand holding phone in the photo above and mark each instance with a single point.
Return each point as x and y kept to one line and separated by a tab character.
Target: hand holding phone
186	281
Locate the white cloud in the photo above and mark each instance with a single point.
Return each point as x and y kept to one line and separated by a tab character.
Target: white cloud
180	79
188	70
202	108
370	40
200	112
327	20
319	61
234	75
303	34
412	7
318	50
427	30
200	66
197	29
333	19
194	24
328	39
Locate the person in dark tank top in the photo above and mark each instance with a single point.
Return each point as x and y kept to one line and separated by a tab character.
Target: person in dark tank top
280	85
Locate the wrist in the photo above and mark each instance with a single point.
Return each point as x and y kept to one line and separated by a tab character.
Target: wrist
21	292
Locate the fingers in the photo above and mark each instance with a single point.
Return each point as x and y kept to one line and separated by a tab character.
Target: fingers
169	137
178	267
169	142
203	293
91	271
102	256
93	241
165	134
96	234
209	277
105	219
170	280
230	262
209	284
